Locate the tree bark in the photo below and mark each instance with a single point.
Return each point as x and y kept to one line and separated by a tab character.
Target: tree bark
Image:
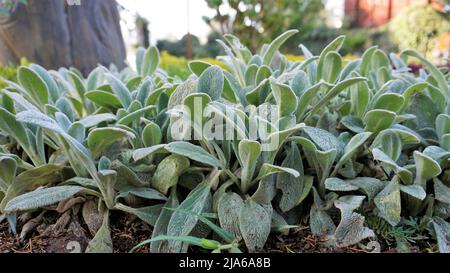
55	34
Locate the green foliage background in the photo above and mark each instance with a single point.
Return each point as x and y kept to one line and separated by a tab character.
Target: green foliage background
418	26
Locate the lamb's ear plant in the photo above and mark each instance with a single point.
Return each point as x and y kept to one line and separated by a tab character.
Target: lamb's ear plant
341	142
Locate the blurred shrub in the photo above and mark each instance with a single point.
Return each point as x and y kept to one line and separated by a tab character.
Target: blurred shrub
300	58
178	66
214	62
9	72
178	48
418	26
356	42
175	66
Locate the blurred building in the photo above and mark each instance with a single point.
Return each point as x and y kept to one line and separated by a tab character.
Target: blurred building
372	13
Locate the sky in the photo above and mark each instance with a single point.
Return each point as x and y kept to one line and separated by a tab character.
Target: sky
168	18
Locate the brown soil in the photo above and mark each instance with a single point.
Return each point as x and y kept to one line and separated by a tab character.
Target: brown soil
302	241
127	233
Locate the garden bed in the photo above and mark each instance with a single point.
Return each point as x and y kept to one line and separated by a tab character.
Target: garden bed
355	152
126	233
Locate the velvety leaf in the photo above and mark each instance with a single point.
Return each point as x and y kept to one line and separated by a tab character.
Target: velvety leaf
196	105
379	60
354	143
405	175
249	152
418	103
150	62
161	224
139	154
193	152
412	90
255	224
324	140
351	229
269	169
198	67
107	180
182	223
211	82
32	179
120	90
147	214
135	115
378	120
258	94
366	60
445	142
335	45
41	198
192	240
151	135
352	123
103	98
126	177
266	190
31	81
389	142
291	187
333	63
368	185
91	216
442	209
441	191
390	101
102	241
228	209
181	92
300	83
100	138
336	184
407	135
168	172
39	119
359	97
146	193
437	74
320	222
52	87
389	204
275	45
14	128
442	230
414	190
8	168
20	100
285	98
77	131
325	161
308	95
94	120
309	180
426	168
333	92
351	148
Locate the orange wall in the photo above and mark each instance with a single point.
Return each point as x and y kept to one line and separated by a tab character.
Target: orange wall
369	13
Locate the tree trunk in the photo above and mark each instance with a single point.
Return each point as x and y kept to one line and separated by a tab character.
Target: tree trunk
55	34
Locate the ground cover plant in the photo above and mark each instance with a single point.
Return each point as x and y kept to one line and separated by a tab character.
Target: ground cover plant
360	151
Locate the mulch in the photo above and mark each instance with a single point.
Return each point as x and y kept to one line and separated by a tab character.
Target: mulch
127	233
